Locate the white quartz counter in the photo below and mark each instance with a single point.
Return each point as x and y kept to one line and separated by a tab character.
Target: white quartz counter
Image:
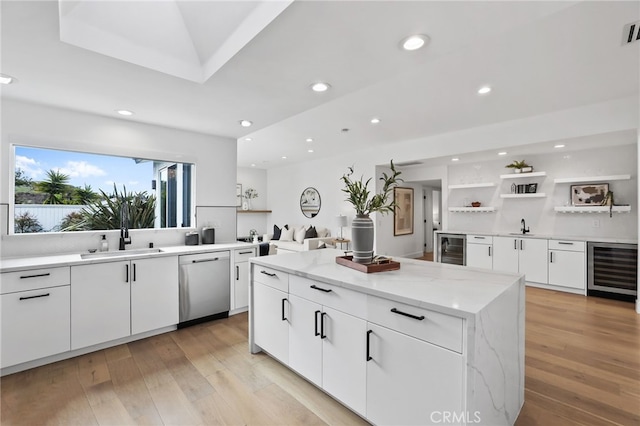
545	236
451	289
24	263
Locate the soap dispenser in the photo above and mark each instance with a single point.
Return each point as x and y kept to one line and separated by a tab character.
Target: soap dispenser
104	244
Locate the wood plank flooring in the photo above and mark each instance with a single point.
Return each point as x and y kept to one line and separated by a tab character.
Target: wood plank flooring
582	367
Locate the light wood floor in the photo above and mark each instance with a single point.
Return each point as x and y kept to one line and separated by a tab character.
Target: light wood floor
582	367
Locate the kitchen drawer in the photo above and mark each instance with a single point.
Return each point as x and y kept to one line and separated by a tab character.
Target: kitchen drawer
567	245
243	255
480	239
339	298
440	329
271	277
11	282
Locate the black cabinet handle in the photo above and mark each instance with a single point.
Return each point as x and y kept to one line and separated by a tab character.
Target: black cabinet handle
521	245
134	272
35	276
369	345
322	335
479	238
284	318
267	273
321	289
246	252
316	323
34	297
126	273
515	244
395	311
565	243
489	251
551	257
237	273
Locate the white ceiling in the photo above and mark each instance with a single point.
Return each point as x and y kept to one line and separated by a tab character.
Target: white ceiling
205	65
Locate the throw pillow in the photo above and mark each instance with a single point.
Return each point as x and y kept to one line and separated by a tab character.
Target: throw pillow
311	233
322	232
299	234
287	235
322	245
277	231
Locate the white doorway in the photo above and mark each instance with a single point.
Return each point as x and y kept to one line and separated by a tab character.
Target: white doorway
432	206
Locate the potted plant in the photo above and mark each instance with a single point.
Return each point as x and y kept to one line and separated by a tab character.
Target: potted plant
248	195
520	166
365	203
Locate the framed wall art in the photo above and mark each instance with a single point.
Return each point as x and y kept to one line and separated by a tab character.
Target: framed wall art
589	195
238	195
403	212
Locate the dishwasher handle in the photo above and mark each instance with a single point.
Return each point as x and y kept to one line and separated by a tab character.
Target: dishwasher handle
205	260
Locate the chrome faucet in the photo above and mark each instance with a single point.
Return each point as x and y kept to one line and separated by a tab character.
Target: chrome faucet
523	227
124	226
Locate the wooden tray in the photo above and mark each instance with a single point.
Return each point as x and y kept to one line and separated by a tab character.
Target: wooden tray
347	261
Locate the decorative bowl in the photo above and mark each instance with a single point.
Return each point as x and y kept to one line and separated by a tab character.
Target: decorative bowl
476	204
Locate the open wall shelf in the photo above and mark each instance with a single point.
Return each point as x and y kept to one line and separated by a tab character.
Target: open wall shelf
472	185
254	211
534	195
587	179
523	175
591	209
472	209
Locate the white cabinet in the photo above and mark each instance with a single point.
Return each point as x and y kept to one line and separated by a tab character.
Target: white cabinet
480	251
526	256
36	320
567	264
117	299
271	326
409	380
240	283
154	293
305	338
100	303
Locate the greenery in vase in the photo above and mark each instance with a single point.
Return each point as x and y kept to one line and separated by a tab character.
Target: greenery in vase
250	193
359	196
517	165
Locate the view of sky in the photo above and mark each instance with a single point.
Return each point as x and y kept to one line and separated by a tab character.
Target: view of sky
99	171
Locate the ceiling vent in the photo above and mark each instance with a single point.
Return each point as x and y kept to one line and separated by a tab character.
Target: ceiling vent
408	163
631	33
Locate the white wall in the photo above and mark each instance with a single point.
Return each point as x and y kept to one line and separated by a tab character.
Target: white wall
286	183
256	179
43	126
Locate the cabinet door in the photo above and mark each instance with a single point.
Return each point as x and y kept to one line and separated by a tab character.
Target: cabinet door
505	254
408	380
344	365
241	285
533	259
271	324
567	268
35	324
305	343
479	256
154	293
100	303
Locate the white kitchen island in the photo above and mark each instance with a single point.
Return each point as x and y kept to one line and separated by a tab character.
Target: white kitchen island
427	344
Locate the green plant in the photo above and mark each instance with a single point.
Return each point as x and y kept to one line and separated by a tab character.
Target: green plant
84	195
250	193
26	223
517	165
358	193
55	187
104	213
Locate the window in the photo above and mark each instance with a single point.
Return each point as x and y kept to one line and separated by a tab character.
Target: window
64	191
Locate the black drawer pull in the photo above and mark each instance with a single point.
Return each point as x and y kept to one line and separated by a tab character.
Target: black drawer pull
35	276
284	318
246	252
395	311
316	323
134	272
34	297
237	273
369	345
322	335
565	243
321	289
479	238
267	273
126	273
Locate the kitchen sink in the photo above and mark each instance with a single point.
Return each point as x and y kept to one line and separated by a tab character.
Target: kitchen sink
119	253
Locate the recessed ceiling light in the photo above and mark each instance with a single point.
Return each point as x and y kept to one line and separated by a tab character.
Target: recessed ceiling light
248	139
310	150
375	120
245	123
7	79
455	159
253	164
124	112
414	42
502	153
284	157
320	87
309	140
484	90
559	146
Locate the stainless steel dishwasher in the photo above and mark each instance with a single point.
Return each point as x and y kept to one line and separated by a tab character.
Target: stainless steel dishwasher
204	287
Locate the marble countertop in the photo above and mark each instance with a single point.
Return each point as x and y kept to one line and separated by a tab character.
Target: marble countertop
24	263
545	236
451	289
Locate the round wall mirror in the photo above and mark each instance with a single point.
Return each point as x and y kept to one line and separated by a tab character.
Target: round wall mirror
310	202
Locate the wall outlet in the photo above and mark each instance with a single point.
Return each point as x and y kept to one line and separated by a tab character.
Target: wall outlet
596	223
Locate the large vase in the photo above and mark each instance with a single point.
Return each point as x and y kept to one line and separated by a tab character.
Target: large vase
362	236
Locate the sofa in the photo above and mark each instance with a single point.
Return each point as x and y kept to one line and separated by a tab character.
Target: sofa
295	238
